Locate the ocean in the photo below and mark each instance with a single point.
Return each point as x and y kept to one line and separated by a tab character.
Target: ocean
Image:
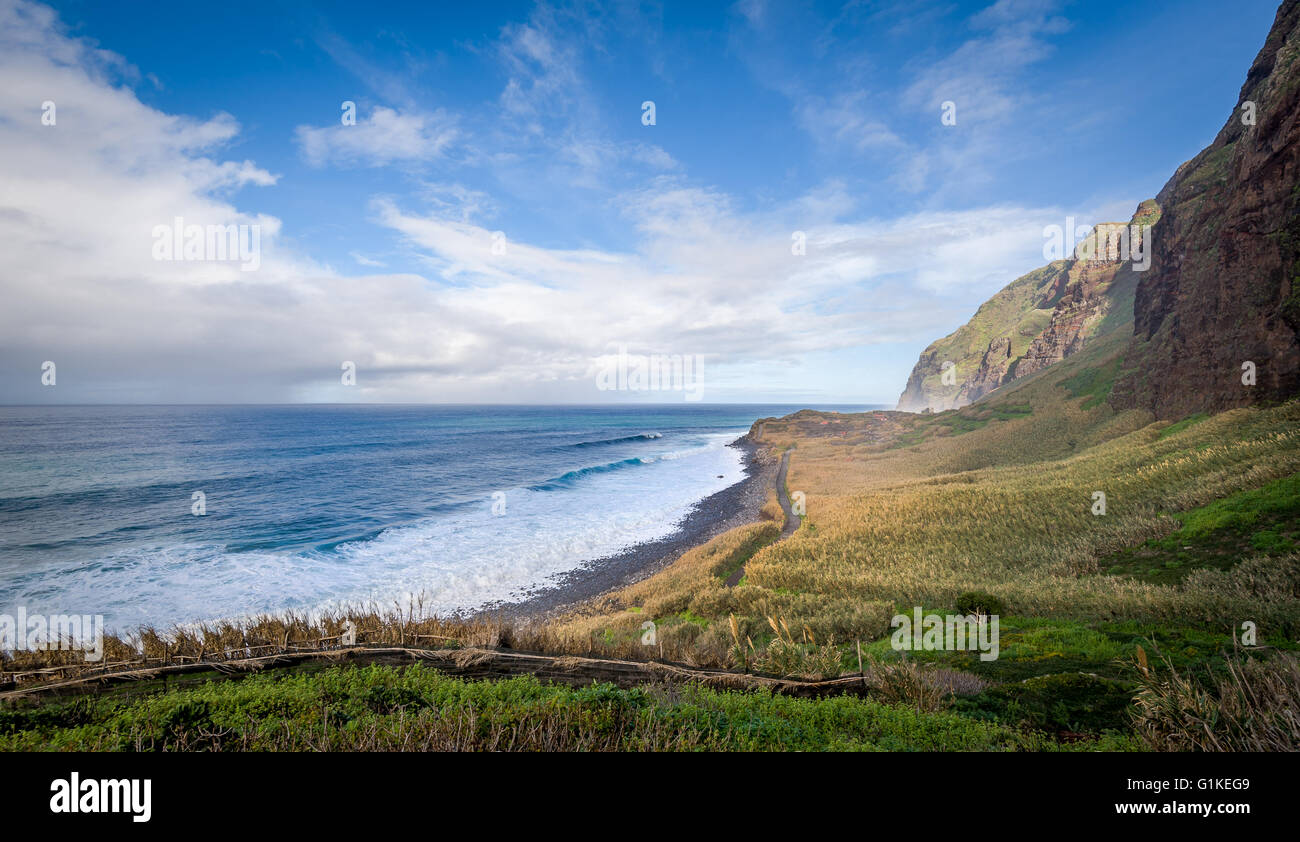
172	514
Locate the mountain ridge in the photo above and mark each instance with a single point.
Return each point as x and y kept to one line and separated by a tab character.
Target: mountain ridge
1214	318
1036	320
1217	319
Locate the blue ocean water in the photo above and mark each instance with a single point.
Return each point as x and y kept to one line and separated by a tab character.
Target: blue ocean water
313	507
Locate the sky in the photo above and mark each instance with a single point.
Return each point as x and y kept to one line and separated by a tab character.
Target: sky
503	221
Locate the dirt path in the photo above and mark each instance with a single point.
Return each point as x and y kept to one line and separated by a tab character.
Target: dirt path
792	521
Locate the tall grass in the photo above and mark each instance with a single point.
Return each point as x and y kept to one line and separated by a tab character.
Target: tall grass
1254	707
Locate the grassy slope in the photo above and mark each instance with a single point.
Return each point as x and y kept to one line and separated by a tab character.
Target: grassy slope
997	497
1260	522
1006	505
379	708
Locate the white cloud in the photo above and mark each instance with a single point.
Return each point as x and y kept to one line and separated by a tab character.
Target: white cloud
362	260
889	117
542	66
984	74
847	119
385	137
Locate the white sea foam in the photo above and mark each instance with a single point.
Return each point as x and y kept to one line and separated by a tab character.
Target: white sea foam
455	560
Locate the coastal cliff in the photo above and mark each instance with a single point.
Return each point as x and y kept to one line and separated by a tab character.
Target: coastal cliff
1214	318
1221	299
1037	320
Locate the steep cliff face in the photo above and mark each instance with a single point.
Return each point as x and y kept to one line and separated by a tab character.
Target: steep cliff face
1096	288
1222	290
1036	320
982	349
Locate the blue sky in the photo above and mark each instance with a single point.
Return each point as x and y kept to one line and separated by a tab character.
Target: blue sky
526	119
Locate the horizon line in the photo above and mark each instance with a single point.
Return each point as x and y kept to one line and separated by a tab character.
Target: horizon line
393	403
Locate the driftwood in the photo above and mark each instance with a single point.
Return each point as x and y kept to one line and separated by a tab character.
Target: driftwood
469	663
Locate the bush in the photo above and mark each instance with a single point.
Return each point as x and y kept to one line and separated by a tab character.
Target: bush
979	602
713	601
1076	702
906	683
852	620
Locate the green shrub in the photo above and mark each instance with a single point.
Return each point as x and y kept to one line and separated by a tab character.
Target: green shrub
979	602
1073	702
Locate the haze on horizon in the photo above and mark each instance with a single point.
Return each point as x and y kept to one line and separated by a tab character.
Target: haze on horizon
502	217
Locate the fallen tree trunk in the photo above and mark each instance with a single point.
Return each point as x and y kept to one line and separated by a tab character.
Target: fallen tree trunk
478	664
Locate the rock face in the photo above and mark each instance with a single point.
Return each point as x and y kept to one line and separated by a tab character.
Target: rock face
1222	290
1036	320
992	369
983	350
1095	288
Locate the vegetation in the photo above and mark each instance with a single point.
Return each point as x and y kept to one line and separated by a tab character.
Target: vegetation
1179	426
1255	707
1093	384
978	602
416	709
1259	522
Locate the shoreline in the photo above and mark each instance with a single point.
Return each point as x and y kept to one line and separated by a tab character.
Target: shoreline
733	506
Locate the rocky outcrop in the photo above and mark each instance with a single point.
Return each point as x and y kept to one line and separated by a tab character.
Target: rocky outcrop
982	351
992	370
1221	297
1096	286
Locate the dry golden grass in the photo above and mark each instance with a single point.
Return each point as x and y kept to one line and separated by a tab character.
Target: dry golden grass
1026	532
230	640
